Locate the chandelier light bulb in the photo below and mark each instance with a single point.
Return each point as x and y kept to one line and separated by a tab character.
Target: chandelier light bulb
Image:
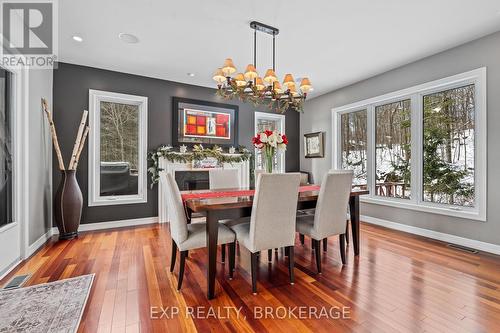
219	76
270	77
288	81
228	68
259	83
240	80
250	73
305	85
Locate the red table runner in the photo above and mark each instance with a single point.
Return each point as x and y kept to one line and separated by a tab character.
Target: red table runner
236	193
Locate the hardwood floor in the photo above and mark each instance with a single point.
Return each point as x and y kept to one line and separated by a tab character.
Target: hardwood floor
400	283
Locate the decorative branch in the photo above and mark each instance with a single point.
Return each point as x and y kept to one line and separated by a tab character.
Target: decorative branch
82	143
55	141
78	140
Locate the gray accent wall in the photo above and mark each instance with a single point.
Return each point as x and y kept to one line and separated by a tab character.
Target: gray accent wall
71	87
39	204
484	52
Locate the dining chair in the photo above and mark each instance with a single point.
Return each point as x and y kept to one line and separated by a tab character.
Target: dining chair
220	179
329	218
186	236
223	178
272	221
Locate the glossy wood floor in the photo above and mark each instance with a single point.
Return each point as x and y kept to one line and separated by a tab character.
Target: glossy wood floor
400	283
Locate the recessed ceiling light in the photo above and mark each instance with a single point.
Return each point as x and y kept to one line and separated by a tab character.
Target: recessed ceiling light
128	38
77	38
190	74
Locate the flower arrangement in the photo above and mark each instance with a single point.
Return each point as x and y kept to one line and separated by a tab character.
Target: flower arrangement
269	143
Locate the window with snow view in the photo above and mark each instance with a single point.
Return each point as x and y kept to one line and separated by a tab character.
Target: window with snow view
448	145
420	148
393	149
353	127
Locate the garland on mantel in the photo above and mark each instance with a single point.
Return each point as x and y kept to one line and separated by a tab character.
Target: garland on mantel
197	154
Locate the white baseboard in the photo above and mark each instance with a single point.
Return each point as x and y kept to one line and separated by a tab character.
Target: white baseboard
471	243
113	224
39	242
9	269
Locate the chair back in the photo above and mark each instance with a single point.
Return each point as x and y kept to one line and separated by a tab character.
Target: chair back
176	212
333	199
223	178
272	223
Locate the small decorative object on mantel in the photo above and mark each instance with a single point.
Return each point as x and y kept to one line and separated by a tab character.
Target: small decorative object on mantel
314	145
267	91
199	153
68	200
183	149
232	150
269	143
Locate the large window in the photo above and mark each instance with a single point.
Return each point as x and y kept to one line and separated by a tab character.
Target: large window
421	148
117	148
5	149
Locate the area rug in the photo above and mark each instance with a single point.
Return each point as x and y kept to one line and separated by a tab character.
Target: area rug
48	307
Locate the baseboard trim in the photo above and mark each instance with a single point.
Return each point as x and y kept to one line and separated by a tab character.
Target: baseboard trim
113	224
471	243
39	243
9	269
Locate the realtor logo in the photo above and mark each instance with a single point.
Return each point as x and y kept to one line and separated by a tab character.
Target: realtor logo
29	33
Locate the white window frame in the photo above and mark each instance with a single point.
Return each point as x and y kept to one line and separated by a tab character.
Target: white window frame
281	119
95	99
416	94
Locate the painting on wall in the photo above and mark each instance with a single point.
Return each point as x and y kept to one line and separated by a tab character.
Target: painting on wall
201	122
314	145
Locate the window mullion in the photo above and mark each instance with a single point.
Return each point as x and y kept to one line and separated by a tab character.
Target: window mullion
416	148
370	151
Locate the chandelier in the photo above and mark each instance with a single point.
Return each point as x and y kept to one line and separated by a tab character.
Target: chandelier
250	87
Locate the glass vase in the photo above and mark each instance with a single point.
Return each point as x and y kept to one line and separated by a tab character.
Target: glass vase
269	153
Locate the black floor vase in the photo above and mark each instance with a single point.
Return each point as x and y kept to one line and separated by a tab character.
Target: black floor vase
68	205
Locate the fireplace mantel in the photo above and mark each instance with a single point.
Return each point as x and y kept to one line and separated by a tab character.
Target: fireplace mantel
171	167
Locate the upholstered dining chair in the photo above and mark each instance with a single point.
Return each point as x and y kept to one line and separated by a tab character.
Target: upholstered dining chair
186	236
272	221
220	179
329	218
223	178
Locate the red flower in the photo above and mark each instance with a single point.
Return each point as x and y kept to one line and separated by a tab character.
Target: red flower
268	132
285	139
256	140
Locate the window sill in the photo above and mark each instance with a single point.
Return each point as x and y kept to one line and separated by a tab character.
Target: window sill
112	201
404	204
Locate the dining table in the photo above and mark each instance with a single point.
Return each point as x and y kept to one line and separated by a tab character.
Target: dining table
227	203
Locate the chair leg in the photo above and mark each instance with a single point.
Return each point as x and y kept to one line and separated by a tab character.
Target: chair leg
254	263
325	244
270	255
291	264
223	250
342	248
347	231
232	255
317	251
173	256
302	239
184	254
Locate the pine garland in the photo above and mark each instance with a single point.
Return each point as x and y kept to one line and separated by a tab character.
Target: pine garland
197	154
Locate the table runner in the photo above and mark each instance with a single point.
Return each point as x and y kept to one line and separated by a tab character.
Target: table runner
235	193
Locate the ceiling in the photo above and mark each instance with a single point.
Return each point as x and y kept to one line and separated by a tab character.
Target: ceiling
333	42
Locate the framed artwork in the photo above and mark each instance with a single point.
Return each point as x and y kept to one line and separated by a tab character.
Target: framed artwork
201	122
314	145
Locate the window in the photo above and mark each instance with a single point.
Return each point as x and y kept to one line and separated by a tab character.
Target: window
354	128
393	149
118	146
5	149
421	148
271	122
449	146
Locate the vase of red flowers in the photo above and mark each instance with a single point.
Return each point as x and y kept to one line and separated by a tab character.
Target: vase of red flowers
269	143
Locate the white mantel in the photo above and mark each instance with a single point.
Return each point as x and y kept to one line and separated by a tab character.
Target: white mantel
172	167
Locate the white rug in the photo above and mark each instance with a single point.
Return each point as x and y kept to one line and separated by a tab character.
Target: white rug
49	307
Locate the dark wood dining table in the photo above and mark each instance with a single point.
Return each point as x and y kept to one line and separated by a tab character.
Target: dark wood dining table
224	207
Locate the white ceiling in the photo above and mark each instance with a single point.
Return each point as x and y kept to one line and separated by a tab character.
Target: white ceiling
334	42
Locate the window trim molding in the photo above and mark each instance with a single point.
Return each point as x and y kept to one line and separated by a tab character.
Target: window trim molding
478	78
282	120
94	197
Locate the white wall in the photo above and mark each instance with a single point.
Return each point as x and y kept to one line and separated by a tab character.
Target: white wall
39	215
473	55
